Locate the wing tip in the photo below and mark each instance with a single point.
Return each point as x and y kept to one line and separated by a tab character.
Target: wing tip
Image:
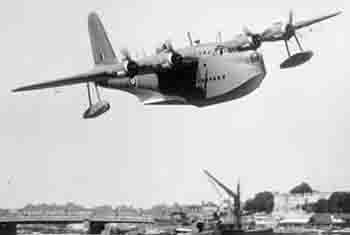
24	88
16	90
337	13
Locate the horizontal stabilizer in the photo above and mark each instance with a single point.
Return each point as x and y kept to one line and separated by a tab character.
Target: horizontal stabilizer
302	24
80	78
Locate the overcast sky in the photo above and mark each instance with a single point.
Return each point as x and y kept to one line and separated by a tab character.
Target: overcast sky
295	127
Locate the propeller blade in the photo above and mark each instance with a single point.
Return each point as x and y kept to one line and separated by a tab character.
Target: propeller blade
247	31
125	54
291	17
273	31
168	45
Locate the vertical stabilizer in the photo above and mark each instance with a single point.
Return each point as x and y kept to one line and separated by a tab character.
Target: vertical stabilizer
102	50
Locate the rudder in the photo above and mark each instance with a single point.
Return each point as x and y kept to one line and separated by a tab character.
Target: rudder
102	50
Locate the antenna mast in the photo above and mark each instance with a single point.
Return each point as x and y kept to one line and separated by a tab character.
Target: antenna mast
189	39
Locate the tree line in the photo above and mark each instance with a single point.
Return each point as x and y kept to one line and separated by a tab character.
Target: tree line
338	202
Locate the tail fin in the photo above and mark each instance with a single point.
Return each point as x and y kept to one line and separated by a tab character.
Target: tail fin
101	47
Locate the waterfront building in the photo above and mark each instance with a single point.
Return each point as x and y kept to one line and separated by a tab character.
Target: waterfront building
287	203
127	211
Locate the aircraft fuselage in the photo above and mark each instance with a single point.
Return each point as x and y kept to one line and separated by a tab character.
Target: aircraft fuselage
210	78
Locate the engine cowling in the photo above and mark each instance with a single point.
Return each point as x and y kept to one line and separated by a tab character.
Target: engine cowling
175	58
131	68
168	56
169	59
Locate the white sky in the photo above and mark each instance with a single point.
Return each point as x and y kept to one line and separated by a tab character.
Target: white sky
294	128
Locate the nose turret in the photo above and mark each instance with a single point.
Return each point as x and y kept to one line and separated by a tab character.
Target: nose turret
255	61
252	72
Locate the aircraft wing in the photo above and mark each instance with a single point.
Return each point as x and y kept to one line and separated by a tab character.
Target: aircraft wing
305	23
94	76
237	42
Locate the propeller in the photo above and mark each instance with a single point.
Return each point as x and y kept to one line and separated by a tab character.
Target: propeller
168	45
284	31
290	28
291	17
130	66
125	53
256	38
175	58
277	32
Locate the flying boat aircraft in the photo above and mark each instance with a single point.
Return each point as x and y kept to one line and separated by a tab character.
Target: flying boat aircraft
199	75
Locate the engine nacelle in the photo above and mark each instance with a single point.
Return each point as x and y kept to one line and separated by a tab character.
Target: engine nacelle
161	48
131	68
169	59
175	58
